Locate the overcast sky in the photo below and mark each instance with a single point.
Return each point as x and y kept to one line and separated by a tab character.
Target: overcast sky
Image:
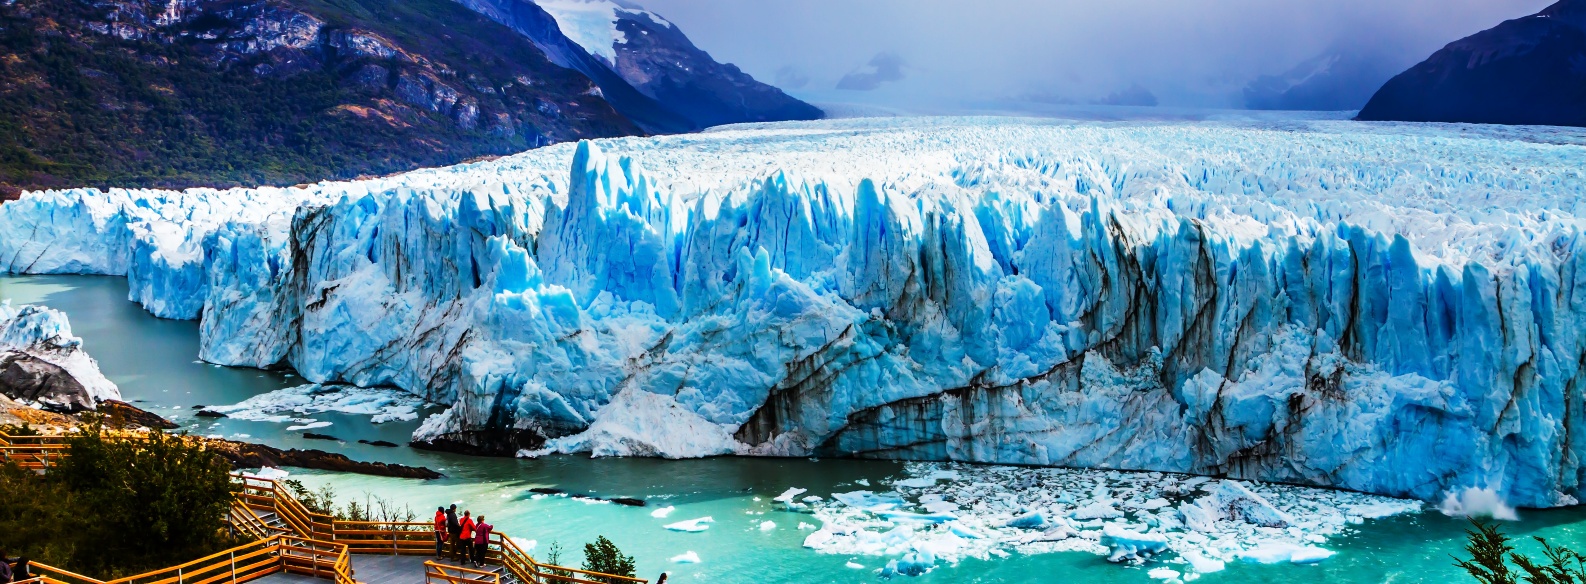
916	54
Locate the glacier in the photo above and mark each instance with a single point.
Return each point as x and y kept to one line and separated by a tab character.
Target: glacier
1393	309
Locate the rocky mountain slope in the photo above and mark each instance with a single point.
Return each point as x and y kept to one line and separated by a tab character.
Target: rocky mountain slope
1529	70
177	93
644	64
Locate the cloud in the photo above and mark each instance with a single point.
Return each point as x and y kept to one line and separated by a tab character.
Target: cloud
962	53
790	77
1134	95
885	67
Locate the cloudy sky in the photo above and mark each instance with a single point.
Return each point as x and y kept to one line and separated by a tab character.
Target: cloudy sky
943	54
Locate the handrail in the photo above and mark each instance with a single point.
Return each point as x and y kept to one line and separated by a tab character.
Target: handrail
439	571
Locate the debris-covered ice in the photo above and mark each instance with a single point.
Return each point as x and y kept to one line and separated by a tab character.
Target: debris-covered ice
294	404
1196	524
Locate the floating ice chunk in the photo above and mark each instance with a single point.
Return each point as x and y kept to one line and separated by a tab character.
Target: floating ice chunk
1155	504
869	501
1232	500
805	526
1168	574
688	557
818	539
1031	520
1202	564
1475	502
915	563
1274	552
308	426
692	525
1131	546
767	525
852	565
788	495
380	404
1103	509
663	512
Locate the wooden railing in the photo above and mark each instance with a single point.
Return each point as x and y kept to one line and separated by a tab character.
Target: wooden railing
32	452
308	543
435	573
387	537
279	553
522	565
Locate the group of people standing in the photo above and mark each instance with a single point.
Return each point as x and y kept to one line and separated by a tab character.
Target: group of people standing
469	537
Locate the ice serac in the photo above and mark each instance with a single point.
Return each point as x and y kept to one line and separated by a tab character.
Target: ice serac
42	364
1391	310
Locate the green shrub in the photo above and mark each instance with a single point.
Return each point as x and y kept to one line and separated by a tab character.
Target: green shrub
1491	553
145	503
604	557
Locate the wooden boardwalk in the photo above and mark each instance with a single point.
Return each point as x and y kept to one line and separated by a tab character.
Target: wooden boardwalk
369	568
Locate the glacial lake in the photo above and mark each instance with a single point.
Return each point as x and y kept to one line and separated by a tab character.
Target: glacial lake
155	363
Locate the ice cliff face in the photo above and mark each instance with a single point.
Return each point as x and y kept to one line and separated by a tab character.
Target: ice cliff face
1387	309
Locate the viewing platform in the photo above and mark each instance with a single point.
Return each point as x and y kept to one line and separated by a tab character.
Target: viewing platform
295	544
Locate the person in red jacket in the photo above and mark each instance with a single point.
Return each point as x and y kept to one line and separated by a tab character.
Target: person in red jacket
464	546
440	530
481	541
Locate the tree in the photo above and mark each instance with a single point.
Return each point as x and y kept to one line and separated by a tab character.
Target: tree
155	500
604	557
1491	554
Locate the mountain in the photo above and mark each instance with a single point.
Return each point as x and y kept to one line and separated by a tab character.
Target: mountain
1339	79
1529	70
177	93
644	64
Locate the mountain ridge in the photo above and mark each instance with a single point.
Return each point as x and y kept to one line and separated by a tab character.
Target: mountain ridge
1528	70
251	92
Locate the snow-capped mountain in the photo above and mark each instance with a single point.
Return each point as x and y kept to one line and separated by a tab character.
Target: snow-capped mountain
1343	78
1324	305
1529	70
644	64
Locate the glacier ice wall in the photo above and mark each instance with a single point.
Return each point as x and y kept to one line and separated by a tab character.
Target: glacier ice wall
1391	309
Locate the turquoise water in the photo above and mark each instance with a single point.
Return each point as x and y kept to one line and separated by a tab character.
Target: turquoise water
153	361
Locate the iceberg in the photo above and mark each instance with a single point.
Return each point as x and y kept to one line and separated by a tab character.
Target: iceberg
1390	309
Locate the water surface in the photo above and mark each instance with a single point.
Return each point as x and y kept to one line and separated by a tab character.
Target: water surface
154	361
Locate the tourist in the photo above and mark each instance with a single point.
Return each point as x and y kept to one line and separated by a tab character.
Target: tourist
440	530
21	572
465	544
453	528
481	541
5	568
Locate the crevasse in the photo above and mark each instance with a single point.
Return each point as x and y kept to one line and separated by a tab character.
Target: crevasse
1391	309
